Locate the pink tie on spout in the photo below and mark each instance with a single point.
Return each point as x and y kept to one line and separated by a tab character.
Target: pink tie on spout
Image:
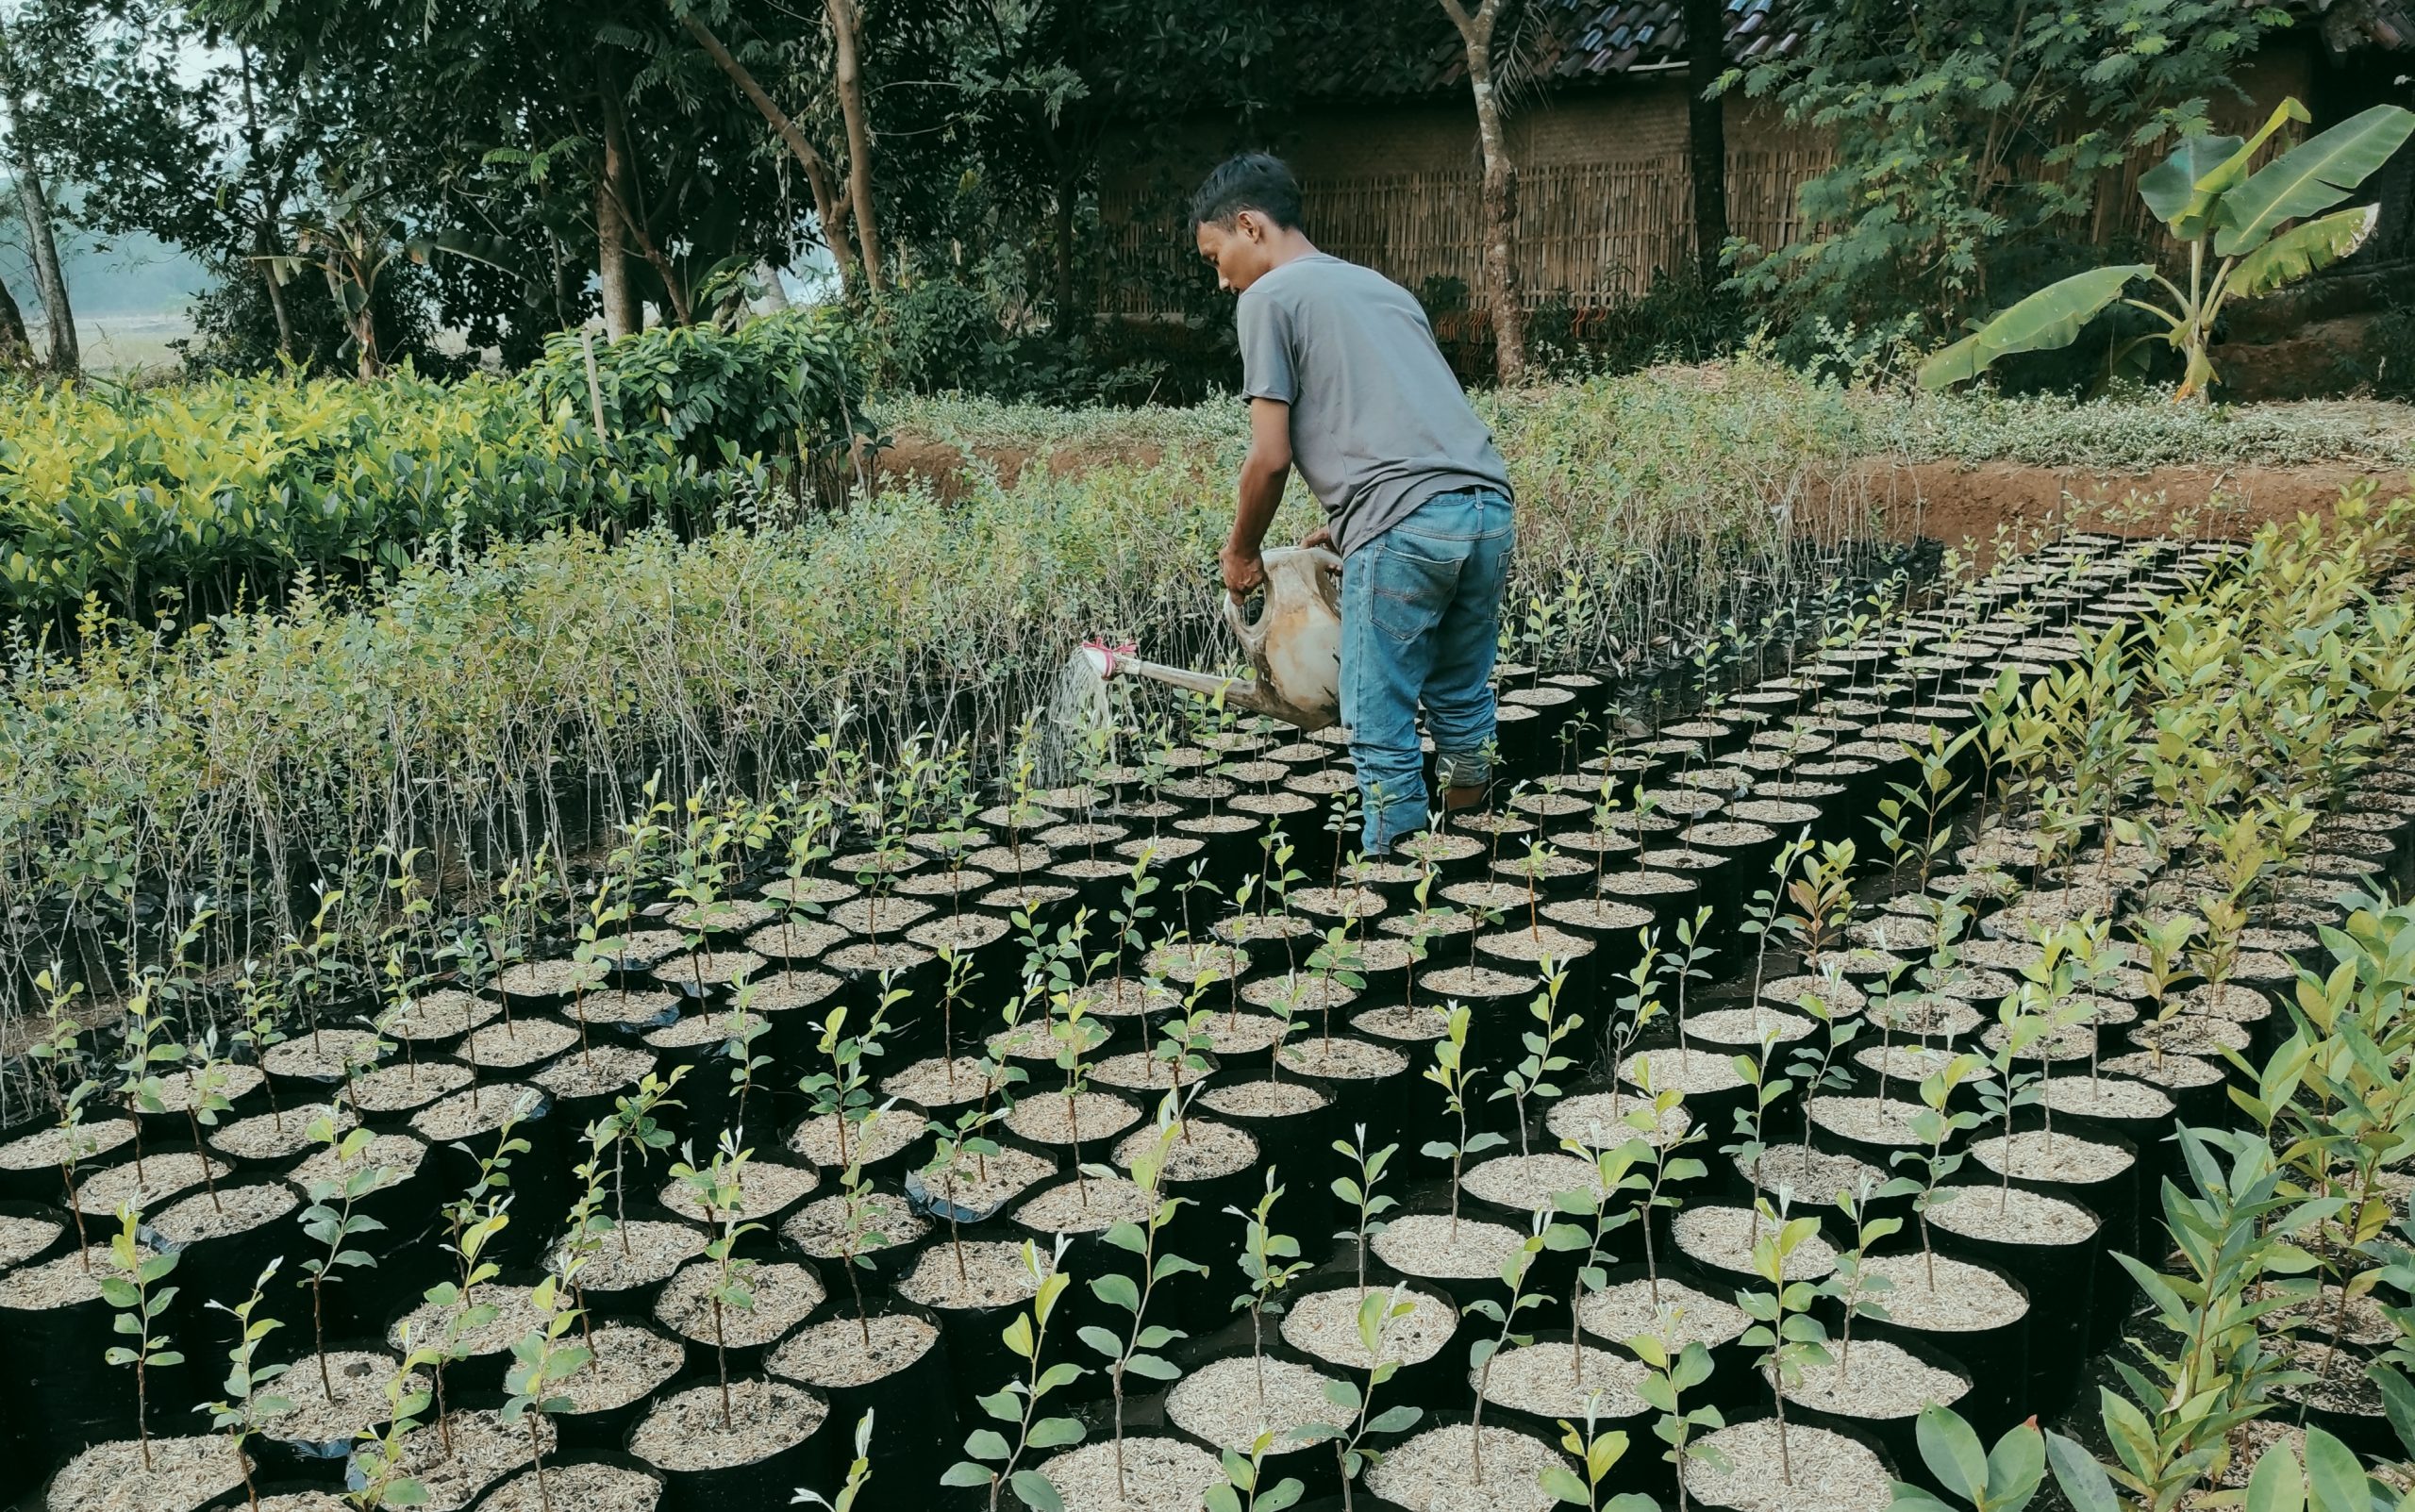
1102	656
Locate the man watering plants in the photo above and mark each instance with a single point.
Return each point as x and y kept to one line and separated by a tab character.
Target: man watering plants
1344	382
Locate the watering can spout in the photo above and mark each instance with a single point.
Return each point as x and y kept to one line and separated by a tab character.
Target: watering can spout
1293	645
1238	692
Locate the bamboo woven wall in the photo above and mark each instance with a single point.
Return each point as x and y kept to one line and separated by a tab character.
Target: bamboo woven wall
1590	234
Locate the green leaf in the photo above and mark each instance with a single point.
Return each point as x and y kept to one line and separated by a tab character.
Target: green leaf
2276	1484
2398	1401
1562	1482
1035	1492
1913	1498
1116	1290
2047	320
2310	178
2204	196
1395	1419
2168	185
1100	1339
1056	1432
1153	1367
2082	1480
1004	1405
2301	250
1953	1453
2015	1467
965	1472
2335	1481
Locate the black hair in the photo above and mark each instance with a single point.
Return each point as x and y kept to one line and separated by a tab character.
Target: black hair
1249	181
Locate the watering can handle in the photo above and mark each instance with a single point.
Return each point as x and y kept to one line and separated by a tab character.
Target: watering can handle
1247	631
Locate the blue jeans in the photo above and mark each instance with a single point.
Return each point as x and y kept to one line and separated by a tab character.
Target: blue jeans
1421	615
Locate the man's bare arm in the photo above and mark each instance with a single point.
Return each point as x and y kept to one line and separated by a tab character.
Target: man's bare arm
1263	472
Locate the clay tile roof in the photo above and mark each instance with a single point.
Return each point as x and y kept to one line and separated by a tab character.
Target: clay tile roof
1588	38
1580	40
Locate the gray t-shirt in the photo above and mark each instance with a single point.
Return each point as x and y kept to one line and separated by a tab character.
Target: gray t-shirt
1378	422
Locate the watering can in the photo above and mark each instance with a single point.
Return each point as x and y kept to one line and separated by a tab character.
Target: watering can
1294	646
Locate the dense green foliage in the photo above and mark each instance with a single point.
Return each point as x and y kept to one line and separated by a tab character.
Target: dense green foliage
1973	141
225	489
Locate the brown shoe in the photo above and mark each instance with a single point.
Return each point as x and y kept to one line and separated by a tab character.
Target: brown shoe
1456	800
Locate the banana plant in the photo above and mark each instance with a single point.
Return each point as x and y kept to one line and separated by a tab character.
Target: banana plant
2208	200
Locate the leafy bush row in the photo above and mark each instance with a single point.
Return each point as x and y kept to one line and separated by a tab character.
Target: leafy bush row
223	490
1825	420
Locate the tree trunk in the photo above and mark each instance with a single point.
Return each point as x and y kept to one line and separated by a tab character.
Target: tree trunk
276	299
828	207
622	314
1070	316
1706	133
846	30
265	240
50	284
775	297
16	348
1500	193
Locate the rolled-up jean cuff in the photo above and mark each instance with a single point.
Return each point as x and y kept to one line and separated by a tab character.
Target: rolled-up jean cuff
1461	771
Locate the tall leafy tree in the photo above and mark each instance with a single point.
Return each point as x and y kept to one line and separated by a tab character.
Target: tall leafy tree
33	44
1973	139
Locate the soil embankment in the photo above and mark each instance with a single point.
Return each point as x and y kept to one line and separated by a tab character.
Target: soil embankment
943	464
1952	502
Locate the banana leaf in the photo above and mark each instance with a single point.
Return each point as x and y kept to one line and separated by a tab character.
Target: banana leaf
2168	185
2225	177
2301	249
2050	318
2310	178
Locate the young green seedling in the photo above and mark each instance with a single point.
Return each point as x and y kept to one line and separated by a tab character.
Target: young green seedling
248	1406
540	1363
1856	1286
1783	1329
1751	1119
993	1463
1674	1372
1379	1313
1245	1478
951	1148
634	1126
378	1475
1597	1454
1270	1262
1815	1070
859	1474
719	1188
135	1291
1936	1125
331	1223
1359	1193
844	1092
457	1301
1532	1076
1613	1173
1450	1073
1481	1353
1135	1352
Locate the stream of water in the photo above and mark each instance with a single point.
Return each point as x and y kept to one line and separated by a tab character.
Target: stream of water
1080	714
